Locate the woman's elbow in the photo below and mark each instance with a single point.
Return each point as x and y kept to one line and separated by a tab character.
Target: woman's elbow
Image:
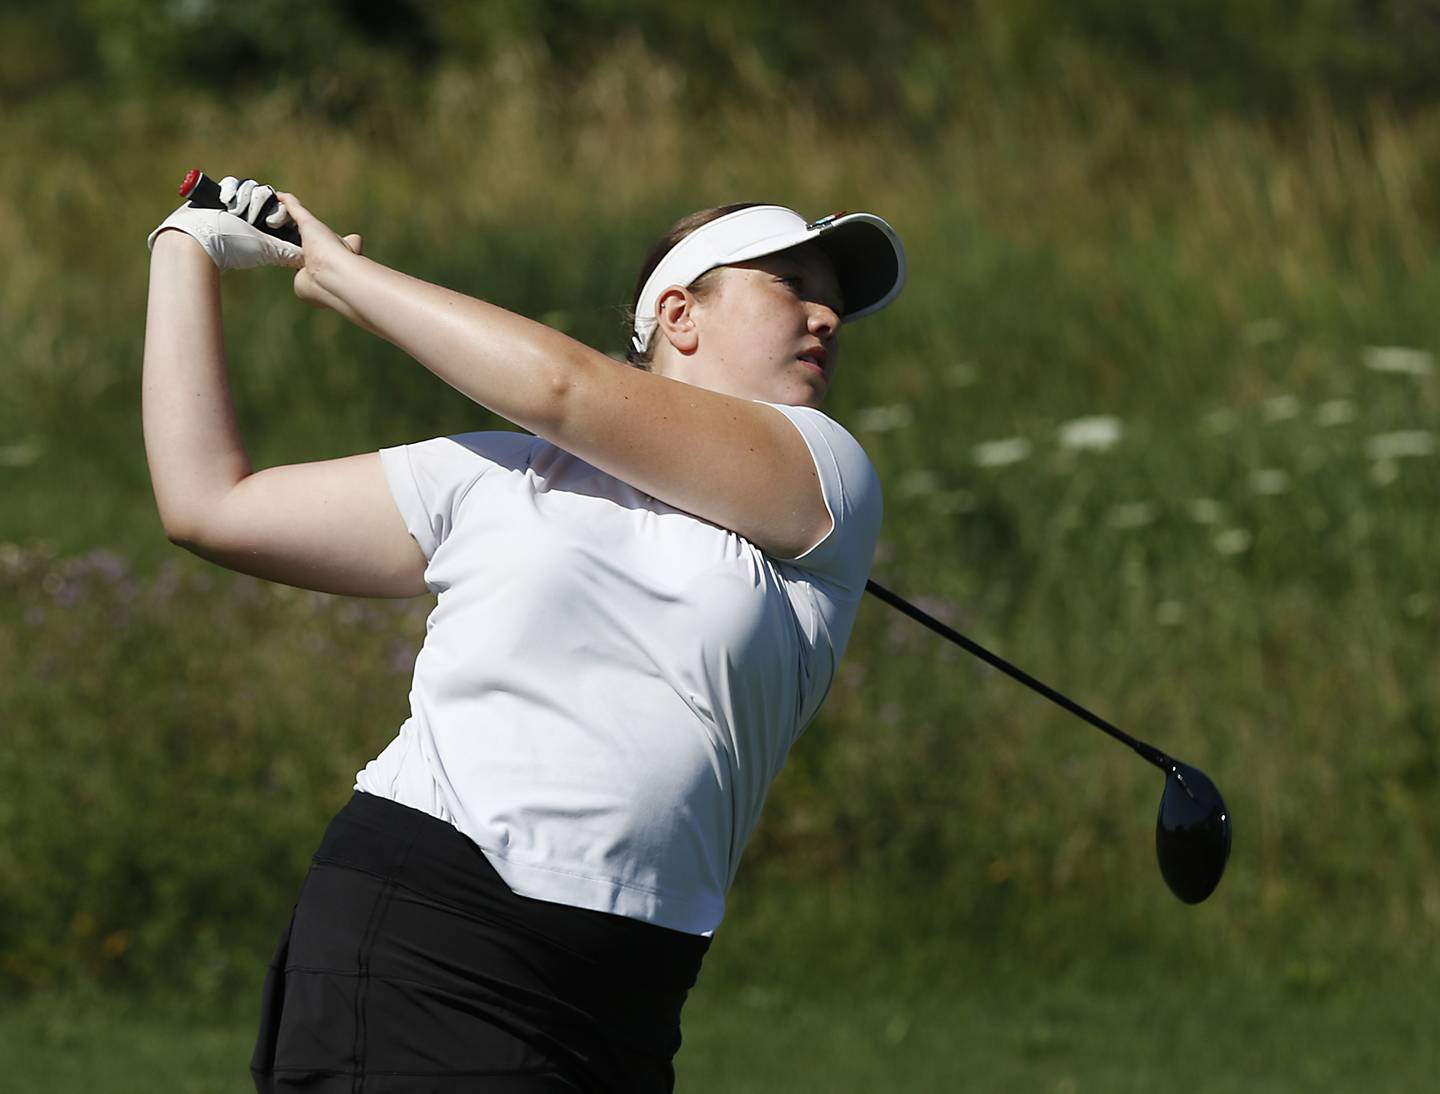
183	528
553	398
183	536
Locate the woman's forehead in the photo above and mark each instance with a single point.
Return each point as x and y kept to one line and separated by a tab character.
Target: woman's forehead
807	258
808	255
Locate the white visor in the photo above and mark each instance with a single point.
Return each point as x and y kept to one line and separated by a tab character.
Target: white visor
865	251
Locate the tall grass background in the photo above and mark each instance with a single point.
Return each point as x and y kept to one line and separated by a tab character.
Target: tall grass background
1236	560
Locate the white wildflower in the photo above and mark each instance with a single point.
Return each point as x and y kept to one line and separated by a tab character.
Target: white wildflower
759	997
1096	433
1222	420
882	419
1169	613
1395	446
1232	541
1206	511
913	484
1067	517
1262	331
1336	412
1281	408
1401	359
1269	481
1384	472
1131	514
896	1029
962	374
12	558
19	455
1002	452
953	501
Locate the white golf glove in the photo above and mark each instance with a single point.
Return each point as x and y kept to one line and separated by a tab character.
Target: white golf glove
229	235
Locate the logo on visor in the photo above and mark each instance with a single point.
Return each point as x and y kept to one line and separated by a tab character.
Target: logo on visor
824	222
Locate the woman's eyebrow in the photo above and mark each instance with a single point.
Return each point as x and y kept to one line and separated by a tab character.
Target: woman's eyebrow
815	281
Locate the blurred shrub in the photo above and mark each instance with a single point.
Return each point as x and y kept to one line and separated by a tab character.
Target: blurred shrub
174	744
908	64
1239	566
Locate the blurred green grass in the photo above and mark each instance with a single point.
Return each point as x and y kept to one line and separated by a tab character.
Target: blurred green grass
1243	576
818	1026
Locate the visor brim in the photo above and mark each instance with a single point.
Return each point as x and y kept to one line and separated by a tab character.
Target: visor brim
869	262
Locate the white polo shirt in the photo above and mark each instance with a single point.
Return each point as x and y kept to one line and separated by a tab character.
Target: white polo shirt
608	684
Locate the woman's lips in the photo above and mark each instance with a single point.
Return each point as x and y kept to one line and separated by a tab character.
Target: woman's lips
815	367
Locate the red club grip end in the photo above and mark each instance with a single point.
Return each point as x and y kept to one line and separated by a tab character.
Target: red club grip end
190	180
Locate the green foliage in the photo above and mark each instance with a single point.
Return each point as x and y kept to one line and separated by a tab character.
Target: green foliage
815	1024
172	780
906	65
1241	573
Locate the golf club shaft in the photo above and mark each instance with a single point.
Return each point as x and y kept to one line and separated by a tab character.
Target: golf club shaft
1149	752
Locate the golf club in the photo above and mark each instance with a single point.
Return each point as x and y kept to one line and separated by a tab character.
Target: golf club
203	192
1192	832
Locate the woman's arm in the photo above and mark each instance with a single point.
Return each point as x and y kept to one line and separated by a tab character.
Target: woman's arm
331	526
737	463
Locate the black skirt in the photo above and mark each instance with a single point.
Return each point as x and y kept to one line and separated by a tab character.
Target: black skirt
409	965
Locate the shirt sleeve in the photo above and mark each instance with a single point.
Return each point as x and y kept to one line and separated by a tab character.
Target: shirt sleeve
851	490
430	480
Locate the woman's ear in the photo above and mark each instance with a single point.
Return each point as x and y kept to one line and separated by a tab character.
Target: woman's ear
675	313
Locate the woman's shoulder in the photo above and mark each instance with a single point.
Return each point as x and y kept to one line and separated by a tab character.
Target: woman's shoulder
506	448
826	437
852	494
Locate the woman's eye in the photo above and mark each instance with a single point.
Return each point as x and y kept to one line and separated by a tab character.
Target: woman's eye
793	280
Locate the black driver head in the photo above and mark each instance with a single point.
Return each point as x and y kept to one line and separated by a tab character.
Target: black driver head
1192	834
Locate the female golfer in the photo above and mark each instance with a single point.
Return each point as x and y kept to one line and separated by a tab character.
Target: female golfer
641	601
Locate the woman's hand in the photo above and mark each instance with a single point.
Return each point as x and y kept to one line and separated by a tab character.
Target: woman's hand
230	242
324	253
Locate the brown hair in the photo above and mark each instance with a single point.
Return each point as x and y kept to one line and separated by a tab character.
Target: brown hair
663	246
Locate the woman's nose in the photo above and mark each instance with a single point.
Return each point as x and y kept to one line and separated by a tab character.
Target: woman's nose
823	321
